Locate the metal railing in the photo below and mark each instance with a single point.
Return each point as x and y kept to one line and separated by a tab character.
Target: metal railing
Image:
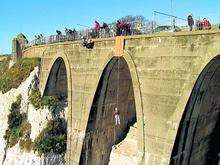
136	28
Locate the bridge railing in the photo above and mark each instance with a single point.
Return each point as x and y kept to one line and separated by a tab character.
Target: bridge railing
136	28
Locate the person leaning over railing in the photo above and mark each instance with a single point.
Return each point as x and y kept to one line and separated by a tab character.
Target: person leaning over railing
87	42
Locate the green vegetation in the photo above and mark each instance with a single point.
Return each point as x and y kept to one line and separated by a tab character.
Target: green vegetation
35	98
13	77
53	138
18	125
4	65
26	144
39	102
50	101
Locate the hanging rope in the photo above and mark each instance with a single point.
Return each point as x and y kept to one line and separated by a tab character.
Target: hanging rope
118	83
117	120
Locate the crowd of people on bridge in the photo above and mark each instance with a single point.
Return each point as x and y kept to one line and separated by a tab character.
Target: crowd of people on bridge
200	24
99	31
119	28
122	28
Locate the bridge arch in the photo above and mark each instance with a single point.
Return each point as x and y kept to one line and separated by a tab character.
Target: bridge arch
61	57
197	139
129	66
139	105
46	69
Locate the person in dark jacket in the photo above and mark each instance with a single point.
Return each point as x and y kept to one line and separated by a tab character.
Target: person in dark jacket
190	22
106	28
97	28
118	28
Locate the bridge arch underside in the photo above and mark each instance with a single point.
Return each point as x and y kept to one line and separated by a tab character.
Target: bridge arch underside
57	81
198	136
102	132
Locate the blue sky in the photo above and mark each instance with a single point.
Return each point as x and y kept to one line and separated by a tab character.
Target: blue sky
45	16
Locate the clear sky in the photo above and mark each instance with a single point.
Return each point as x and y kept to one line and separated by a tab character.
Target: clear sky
45	16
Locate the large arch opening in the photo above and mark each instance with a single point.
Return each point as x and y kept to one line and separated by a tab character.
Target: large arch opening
115	89
56	97
57	80
198	136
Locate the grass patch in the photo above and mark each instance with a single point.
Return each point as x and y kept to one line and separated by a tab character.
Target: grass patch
4	65
13	77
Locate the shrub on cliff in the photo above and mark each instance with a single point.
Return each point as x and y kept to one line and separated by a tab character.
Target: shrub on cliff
15	117
26	144
18	125
35	98
13	77
39	102
50	101
53	138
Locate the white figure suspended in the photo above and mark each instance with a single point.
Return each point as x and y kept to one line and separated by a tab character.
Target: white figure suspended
117	117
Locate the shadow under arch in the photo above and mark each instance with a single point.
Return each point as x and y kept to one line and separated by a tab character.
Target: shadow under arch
197	139
57	80
101	132
63	61
58	62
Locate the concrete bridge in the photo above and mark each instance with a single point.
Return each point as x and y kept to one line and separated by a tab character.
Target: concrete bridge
167	83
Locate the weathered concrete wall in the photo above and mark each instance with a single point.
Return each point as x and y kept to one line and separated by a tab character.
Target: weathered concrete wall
163	69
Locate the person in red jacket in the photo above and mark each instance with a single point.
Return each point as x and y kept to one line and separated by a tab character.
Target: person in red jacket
206	24
97	28
118	28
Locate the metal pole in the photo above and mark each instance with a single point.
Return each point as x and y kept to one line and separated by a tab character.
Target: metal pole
83	25
153	22
171	8
170	15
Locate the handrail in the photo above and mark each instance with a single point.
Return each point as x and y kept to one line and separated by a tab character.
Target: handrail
136	28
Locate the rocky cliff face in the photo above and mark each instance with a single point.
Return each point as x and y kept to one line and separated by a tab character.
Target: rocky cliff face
37	119
126	152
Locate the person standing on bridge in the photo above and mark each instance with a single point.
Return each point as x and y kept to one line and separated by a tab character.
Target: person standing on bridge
206	24
190	22
97	28
106	28
118	28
